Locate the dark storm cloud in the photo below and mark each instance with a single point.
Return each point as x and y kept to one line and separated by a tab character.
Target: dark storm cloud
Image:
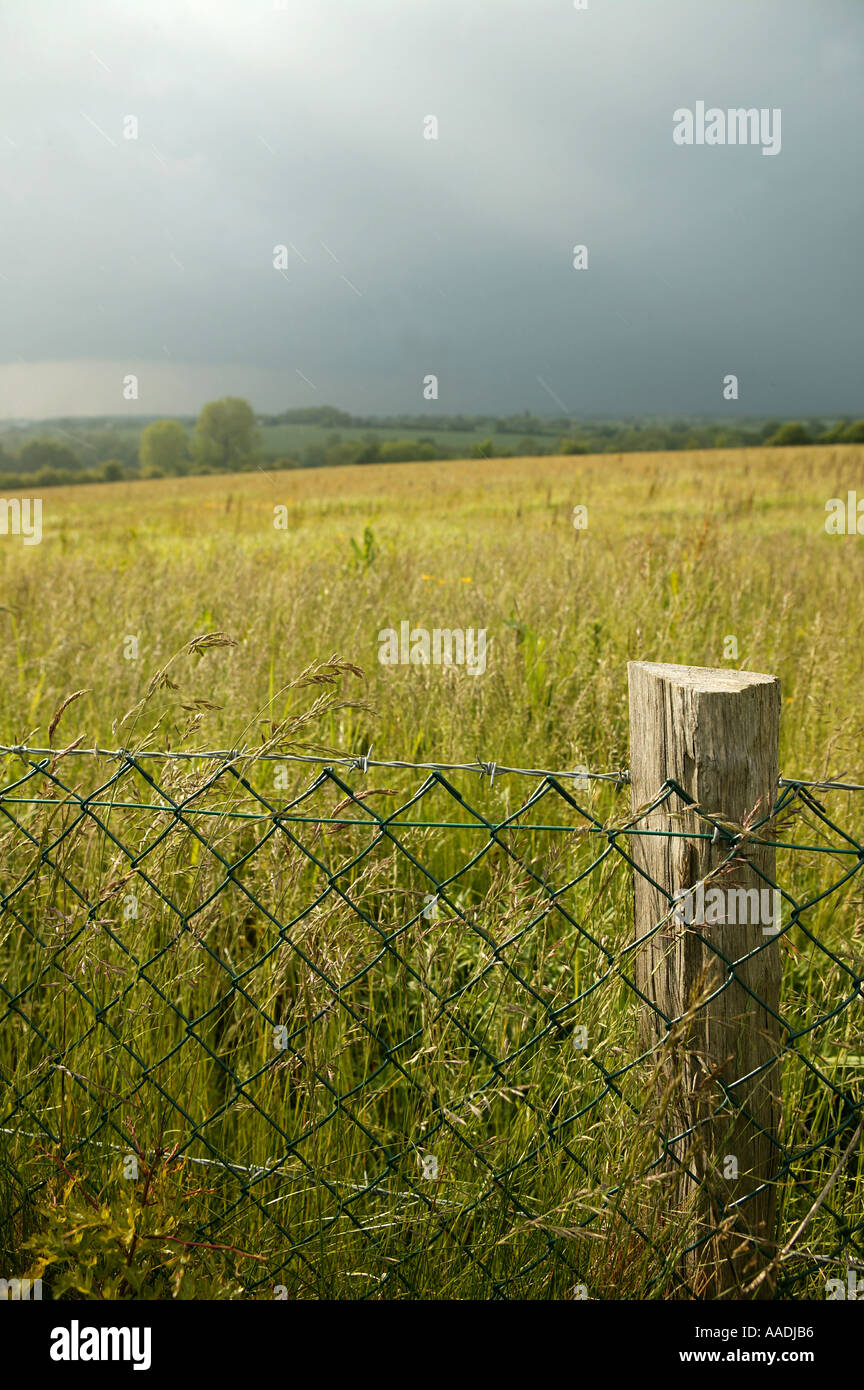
302	126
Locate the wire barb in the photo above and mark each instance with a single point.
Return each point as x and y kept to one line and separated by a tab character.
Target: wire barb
361	763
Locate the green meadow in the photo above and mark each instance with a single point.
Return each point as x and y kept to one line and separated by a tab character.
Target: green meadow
243	613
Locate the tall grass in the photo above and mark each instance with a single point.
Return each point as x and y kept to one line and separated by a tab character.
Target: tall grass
409	1036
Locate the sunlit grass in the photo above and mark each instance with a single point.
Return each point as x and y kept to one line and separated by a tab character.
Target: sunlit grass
681	554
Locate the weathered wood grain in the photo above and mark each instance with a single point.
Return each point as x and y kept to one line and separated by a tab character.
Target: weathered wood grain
712	988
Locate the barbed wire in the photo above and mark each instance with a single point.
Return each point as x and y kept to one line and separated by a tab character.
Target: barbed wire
363	762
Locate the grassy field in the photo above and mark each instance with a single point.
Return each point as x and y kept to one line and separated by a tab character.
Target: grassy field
682	553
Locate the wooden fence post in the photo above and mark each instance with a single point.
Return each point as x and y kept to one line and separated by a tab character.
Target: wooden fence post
712	984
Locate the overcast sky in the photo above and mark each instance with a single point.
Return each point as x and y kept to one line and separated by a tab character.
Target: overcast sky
301	123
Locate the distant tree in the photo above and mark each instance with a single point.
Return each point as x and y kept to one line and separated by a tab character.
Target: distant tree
163	448
370	451
44	454
112	471
837	432
854	434
343	454
399	450
787	435
109	443
572	446
770	427
484	450
225	434
314	415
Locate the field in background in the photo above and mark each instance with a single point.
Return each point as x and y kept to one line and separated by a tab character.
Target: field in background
285	438
681	553
293	438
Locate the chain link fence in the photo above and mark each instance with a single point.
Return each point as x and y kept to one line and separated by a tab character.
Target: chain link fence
304	1027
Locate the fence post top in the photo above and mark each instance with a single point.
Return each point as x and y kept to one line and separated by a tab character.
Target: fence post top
703	678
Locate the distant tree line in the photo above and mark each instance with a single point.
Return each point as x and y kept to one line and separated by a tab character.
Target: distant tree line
225	438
